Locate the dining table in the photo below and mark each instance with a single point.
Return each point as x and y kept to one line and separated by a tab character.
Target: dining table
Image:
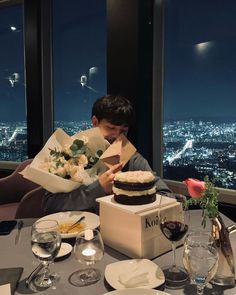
20	255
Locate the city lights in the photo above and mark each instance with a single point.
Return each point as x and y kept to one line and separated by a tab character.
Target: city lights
200	147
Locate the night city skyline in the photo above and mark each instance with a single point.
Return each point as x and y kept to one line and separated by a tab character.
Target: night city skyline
191	148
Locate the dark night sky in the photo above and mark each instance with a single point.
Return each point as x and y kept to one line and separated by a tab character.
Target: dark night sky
79	44
200	72
200	45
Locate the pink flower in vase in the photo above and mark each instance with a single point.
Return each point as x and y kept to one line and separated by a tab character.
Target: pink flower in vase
195	187
204	194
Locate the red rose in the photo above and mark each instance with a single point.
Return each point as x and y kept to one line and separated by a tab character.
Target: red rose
195	187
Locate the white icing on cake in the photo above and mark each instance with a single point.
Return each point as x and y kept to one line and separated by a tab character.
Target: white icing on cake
135	176
119	191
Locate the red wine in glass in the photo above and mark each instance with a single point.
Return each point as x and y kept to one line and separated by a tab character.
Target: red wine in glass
174	226
173	230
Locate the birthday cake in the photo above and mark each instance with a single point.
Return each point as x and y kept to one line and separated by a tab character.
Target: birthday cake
134	187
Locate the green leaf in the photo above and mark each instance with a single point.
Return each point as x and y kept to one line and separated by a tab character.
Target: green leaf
99	153
79	143
74	147
66	156
55	153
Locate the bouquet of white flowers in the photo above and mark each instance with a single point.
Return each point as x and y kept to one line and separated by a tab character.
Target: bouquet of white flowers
72	161
67	162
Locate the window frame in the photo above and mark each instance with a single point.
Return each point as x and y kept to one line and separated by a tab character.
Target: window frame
39	88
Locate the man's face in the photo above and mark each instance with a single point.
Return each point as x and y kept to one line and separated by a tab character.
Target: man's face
109	131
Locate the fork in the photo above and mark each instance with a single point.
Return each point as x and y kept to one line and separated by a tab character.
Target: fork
74	224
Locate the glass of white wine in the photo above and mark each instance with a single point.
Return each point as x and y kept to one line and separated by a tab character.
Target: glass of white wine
88	249
200	258
45	245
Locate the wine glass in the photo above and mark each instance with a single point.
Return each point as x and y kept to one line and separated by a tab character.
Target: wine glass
88	249
45	245
174	225
200	258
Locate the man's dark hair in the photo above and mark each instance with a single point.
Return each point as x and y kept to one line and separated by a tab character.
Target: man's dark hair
116	109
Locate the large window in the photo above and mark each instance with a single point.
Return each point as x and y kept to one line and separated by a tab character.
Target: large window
13	128
79	61
79	30
199	135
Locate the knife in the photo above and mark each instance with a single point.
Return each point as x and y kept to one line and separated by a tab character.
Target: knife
19	227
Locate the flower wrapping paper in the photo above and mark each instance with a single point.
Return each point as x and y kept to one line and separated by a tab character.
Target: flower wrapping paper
53	183
121	150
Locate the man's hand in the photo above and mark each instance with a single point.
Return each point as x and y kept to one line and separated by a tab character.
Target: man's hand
106	179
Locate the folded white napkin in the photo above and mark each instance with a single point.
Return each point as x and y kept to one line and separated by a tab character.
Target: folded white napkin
135	278
5	289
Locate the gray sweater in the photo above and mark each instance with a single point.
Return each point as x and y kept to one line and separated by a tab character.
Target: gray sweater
84	197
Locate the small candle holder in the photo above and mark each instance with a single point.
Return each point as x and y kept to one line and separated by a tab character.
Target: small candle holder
88	249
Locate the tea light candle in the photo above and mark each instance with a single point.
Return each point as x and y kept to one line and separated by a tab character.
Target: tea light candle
88	252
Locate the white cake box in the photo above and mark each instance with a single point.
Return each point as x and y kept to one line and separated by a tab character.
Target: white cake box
134	230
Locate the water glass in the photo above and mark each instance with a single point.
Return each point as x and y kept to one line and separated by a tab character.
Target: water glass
200	258
45	245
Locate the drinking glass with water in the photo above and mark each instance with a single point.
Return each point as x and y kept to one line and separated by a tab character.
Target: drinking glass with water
45	245
200	258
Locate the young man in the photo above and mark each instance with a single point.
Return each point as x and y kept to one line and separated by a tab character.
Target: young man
113	115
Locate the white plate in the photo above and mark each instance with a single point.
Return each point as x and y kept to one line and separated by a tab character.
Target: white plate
114	273
91	220
135	291
65	249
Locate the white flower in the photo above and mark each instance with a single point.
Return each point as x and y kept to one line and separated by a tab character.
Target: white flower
68	167
72	160
77	173
66	149
83	160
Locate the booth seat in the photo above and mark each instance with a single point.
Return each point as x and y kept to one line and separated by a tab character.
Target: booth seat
19	197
